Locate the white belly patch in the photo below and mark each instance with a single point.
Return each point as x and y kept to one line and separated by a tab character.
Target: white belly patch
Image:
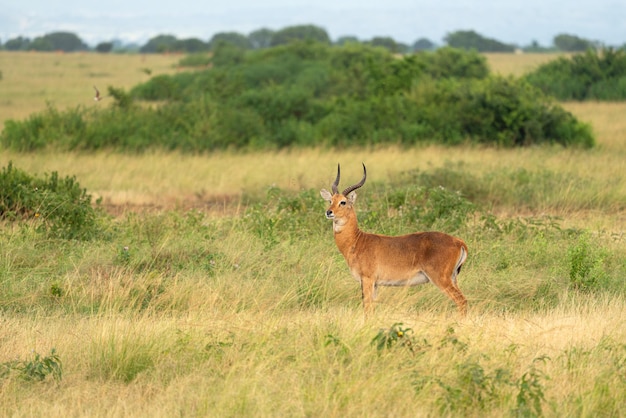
419	278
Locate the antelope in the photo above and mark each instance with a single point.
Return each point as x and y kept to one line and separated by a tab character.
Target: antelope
380	260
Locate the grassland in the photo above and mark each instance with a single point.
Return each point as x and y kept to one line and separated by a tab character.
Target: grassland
31	80
518	64
217	290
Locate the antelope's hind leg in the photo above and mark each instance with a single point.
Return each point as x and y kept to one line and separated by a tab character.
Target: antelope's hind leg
457	296
448	285
368	293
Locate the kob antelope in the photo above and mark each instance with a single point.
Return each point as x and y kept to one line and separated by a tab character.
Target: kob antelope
407	260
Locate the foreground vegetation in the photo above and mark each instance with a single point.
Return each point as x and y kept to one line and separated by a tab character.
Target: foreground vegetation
210	285
245	307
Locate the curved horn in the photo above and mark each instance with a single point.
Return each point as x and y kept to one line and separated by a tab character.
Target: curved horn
336	183
356	186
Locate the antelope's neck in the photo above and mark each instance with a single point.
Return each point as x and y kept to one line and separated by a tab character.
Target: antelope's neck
346	235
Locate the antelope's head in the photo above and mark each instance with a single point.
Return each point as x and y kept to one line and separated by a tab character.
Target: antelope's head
341	208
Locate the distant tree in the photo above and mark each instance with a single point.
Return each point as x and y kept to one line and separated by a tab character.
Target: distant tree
261	38
41	44
159	43
536	47
60	41
17	44
469	39
572	43
347	39
191	45
388	43
104	47
423	44
119	46
233	38
301	32
403	48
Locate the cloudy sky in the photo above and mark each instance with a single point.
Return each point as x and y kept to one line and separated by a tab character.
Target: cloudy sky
517	22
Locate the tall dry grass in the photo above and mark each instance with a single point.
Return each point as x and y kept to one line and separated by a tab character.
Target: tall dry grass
170	180
518	64
320	363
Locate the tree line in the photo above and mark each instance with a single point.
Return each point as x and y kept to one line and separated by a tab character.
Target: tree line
265	38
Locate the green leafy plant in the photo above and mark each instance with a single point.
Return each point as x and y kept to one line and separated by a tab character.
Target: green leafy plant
56	290
530	393
56	206
446	209
396	335
450	338
586	271
471	387
36	369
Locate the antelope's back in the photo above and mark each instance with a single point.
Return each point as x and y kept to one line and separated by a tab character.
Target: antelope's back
415	249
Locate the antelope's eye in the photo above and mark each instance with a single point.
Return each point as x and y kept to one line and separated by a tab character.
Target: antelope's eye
342	203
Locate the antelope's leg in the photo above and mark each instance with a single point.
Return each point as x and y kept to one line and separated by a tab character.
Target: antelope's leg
447	284
367	293
454	293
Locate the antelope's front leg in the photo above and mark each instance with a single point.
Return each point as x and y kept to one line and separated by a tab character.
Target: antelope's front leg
368	290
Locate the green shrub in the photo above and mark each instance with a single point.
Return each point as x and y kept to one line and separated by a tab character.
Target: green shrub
57	206
586	271
395	336
501	111
163	87
593	75
198	59
455	63
419	206
530	395
47	128
282	215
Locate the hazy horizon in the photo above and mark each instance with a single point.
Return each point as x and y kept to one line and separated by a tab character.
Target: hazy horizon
405	21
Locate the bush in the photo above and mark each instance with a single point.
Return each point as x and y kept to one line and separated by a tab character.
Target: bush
511	112
593	75
48	128
496	110
58	207
198	59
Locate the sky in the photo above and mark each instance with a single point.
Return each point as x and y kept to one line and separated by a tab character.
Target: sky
515	22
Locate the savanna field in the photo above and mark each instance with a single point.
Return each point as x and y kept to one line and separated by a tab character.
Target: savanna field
213	286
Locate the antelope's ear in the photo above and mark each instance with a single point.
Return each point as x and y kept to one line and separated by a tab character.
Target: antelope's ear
352	197
326	195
